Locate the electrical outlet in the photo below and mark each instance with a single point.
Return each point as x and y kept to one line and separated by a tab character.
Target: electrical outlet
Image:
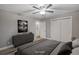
8	42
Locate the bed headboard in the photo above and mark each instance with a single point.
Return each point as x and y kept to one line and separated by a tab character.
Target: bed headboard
21	39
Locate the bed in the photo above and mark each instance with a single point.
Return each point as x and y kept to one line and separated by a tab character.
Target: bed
25	46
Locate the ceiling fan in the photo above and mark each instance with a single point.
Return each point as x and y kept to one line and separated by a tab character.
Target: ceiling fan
43	9
39	9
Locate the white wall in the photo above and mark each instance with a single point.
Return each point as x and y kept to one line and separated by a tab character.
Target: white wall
75	25
8	26
43	29
48	29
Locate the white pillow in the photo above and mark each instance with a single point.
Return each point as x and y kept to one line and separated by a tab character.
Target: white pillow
75	43
75	51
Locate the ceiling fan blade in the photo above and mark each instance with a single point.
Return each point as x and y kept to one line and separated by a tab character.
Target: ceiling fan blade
24	12
36	7
50	11
60	9
35	12
48	6
28	11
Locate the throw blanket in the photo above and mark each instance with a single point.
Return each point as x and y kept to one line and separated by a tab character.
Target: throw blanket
41	47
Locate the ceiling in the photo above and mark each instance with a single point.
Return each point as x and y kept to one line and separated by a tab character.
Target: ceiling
26	10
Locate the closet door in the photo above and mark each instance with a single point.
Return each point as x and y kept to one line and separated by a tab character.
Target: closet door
55	30
66	30
61	29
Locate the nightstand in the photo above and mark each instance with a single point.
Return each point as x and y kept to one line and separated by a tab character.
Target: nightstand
8	51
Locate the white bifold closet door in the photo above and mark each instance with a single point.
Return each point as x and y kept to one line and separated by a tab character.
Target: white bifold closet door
61	29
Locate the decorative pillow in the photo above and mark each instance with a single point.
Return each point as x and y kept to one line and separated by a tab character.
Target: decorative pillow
66	49
75	43
75	51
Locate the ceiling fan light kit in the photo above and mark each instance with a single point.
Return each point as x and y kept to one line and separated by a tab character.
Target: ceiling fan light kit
42	12
43	8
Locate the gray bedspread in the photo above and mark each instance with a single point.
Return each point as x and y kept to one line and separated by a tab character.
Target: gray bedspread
41	47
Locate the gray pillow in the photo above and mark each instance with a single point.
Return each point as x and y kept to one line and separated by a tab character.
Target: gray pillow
66	49
75	43
75	51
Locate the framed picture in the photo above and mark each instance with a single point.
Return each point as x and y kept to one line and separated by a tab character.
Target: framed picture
22	26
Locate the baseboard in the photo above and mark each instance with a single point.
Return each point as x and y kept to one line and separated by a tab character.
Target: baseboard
6	47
